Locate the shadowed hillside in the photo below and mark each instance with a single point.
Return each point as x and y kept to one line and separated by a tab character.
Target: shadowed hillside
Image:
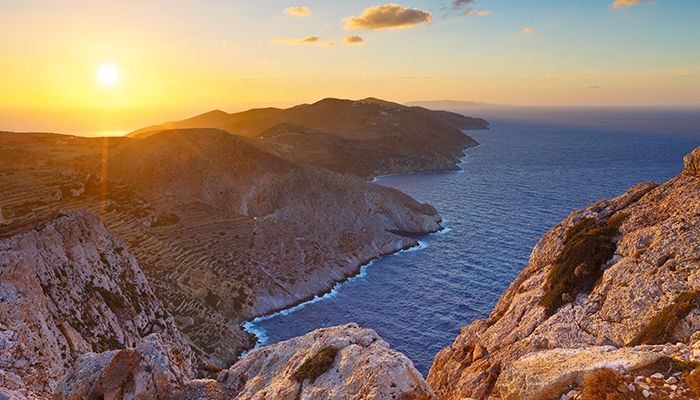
371	136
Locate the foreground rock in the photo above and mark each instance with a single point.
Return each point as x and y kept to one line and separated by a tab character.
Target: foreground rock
645	293
361	366
68	287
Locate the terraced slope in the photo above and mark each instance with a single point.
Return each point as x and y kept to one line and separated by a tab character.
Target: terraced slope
223	230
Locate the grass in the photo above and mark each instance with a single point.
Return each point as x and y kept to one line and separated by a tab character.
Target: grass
588	245
601	384
660	329
316	365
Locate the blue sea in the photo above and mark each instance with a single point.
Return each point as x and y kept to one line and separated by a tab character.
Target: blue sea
523	179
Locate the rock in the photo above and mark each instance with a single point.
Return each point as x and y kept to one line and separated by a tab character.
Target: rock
152	370
657	375
692	163
364	367
657	253
544	375
646	393
68	287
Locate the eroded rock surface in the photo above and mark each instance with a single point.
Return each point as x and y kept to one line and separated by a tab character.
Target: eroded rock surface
365	367
68	287
656	262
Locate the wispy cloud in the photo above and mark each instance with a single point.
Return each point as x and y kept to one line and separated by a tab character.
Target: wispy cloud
528	30
297	11
617	4
388	16
354	39
297	41
461	3
478	13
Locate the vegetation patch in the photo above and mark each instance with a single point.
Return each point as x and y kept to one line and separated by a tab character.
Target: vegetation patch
602	384
316	365
660	329
588	245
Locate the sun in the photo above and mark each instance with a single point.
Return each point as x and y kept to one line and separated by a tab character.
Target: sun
108	74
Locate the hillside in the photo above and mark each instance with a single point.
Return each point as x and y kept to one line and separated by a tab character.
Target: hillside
371	136
618	282
223	230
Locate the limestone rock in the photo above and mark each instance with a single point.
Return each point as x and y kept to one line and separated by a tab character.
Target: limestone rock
151	370
692	163
657	258
547	374
68	287
364	367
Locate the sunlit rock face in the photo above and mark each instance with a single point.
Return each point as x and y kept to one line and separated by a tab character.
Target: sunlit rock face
68	287
655	263
361	365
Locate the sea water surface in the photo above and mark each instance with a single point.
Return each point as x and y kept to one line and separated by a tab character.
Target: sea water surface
522	180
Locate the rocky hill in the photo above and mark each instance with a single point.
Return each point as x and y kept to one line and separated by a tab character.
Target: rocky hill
367	137
67	287
615	285
223	230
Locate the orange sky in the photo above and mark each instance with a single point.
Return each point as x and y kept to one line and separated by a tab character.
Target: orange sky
180	58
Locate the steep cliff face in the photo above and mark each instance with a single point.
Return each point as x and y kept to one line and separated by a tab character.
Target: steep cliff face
341	362
68	287
622	272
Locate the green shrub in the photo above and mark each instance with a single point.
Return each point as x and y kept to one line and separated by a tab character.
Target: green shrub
588	244
660	329
316	365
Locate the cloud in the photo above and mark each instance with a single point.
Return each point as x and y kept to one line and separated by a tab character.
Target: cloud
617	4
528	30
353	40
297	11
297	41
388	16
479	13
460	3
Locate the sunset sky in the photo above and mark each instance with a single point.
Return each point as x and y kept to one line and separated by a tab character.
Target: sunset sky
105	65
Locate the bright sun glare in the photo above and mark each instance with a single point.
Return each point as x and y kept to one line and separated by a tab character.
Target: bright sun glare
108	74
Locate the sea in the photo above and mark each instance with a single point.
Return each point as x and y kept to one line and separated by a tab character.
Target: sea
526	175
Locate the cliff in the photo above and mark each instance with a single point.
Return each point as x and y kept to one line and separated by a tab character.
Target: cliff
67	287
613	285
366	137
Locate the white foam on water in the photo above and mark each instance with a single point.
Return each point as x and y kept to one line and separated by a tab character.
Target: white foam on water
261	333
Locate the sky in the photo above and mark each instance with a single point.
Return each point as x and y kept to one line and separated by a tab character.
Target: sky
175	59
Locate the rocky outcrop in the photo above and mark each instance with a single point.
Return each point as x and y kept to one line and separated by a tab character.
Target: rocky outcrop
151	370
646	293
658	370
68	287
361	366
692	163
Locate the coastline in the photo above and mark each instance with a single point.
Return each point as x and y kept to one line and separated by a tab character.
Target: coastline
359	272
